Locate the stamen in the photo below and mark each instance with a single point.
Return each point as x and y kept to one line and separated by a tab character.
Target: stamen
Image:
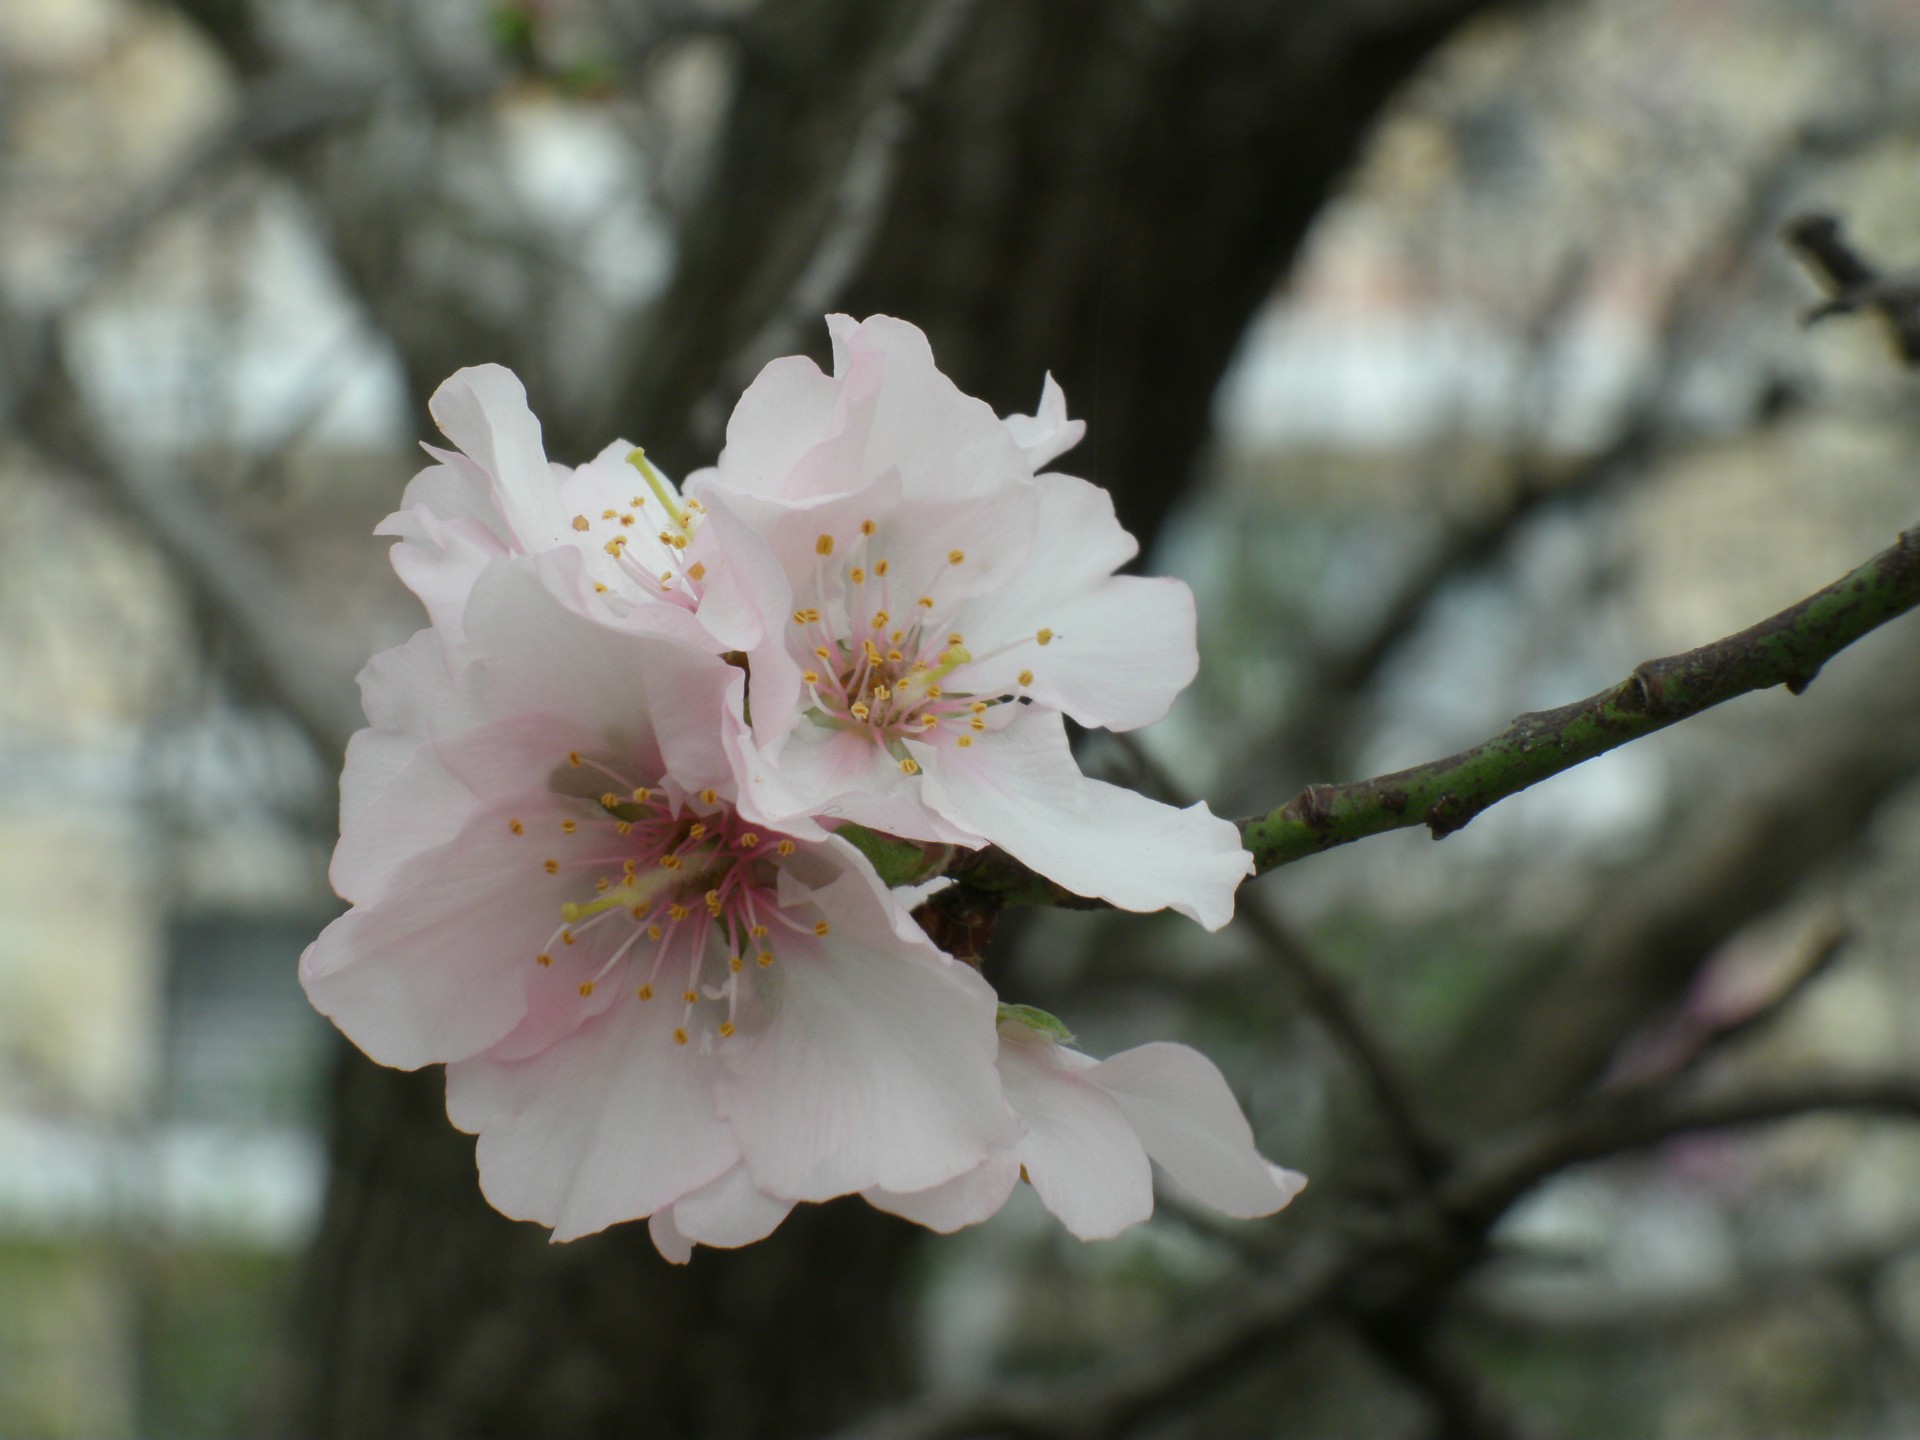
1045	637
954	557
823	545
516	827
1026	677
580	522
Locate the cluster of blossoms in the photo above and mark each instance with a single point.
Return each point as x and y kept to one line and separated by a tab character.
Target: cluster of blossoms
589	833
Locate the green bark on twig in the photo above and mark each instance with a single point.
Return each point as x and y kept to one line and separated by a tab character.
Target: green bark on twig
1787	649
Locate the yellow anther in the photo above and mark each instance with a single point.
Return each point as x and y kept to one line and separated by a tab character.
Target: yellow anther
645	992
857	575
566	937
679	542
880	618
925	602
669	862
910	766
567	827
880	567
976	723
642	795
726	1029
709	796
696	830
822	652
614	546
679	1037
543	959
820	928
586	988
785	847
881	692
638	502
638	912
697	571
580	522
867	527
600	885
978	707
927	722
934	692
963	741
956	638
552	867
676	911
608	514
625	827
599	587
764	958
1026	677
758	932
713	897
1045	637
690	996
748	839
696	507
608	800
812	677
823	546
895	655
516	827
653	932
954	557
859	711
626	519
735	964
573	757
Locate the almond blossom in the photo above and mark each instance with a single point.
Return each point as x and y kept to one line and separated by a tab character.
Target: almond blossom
650	558
1092	1126
649	997
949	608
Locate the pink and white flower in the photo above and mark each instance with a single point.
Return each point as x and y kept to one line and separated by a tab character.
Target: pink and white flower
1092	1126
650	558
648	996
948	609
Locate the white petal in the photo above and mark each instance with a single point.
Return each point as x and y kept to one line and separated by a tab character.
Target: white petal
674	1247
1080	1154
1180	1106
1046	434
728	1213
964	1200
435	969
1020	788
875	1067
483	409
611	1123
787	410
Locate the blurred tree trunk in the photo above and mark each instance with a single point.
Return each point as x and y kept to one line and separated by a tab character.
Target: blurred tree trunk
1104	190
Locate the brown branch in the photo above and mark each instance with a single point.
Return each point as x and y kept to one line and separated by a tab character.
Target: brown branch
1854	283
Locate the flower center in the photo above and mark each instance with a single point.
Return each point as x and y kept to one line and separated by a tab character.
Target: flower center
649	544
882	657
673	897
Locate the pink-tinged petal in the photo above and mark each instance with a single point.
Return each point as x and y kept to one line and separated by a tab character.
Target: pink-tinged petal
785	412
1118	653
1020	788
661	700
962	1201
674	1248
1178	1103
384	823
611	1123
483	409
729	1212
1046	434
435	969
838	774
410	688
946	444
1080	1154
875	1066
439	560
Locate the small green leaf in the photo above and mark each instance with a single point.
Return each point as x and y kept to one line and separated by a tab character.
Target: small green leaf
1037	1020
899	862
